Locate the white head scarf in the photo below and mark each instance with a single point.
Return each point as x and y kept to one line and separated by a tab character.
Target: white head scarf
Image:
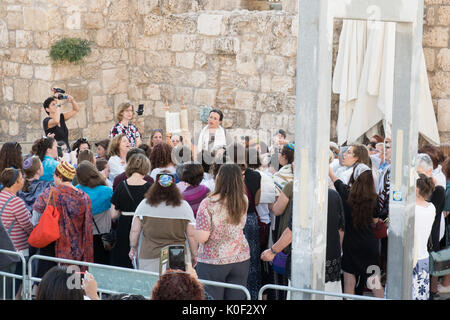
360	168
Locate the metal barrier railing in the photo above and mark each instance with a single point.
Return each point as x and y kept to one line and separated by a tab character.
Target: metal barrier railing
130	272
14	276
325	293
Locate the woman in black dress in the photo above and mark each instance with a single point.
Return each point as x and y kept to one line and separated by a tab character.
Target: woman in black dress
360	247
127	196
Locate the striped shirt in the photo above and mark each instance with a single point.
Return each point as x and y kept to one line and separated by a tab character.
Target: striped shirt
16	211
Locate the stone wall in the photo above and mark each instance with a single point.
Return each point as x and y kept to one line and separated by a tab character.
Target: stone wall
437	55
241	61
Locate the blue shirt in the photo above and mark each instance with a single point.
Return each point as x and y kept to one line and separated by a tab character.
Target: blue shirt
100	197
49	164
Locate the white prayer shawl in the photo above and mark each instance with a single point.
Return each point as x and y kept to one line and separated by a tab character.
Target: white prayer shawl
219	140
347	73
364	79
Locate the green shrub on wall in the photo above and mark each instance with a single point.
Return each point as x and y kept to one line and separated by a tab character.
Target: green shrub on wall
70	49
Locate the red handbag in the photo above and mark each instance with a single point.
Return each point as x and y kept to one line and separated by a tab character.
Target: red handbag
47	229
380	229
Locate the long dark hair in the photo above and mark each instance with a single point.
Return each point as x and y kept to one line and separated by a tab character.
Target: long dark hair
157	193
231	191
54	286
11	156
41	146
362	153
363	200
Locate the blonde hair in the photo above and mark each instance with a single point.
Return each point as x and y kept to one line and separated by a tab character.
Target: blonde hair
114	145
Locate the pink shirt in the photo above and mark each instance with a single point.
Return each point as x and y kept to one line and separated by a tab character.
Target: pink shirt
16	211
226	243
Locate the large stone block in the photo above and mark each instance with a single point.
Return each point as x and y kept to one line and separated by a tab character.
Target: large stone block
43	72
39	57
146	6
115	80
444	15
443	115
4	35
79	121
39	91
443	59
153	25
275	65
430	57
227	45
65	72
26	71
10	69
101	111
210	24
152	92
282	84
119	10
205	97
246	64
35	19
15	20
185	60
104	38
94	21
435	37
245	100
21	90
440	85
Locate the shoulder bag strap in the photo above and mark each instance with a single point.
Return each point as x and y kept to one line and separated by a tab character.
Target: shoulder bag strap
4	206
95	225
128	191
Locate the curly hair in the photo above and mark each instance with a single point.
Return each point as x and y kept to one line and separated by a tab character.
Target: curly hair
11	156
175	285
41	146
362	200
161	155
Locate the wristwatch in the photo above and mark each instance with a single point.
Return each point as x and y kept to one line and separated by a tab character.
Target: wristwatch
273	251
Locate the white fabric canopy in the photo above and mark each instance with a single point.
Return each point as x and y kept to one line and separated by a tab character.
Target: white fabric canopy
364	78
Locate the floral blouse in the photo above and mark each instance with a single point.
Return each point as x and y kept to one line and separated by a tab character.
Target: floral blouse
75	222
132	132
226	243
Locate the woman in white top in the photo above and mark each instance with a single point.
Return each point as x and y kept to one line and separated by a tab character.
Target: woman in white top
424	218
161	160
117	151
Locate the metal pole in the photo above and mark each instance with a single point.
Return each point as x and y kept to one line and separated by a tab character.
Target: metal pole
404	149
312	134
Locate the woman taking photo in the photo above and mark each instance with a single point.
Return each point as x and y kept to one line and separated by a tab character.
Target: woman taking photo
360	247
126	197
124	125
224	253
94	185
164	218
75	220
117	152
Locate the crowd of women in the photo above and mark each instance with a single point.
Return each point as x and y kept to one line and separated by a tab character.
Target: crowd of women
229	203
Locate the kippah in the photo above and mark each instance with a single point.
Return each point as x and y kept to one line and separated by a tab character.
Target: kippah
27	163
165	180
66	170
